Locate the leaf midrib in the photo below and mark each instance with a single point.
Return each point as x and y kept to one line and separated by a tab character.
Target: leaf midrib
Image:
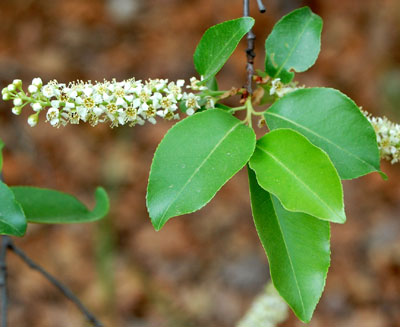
321	137
161	221
288	254
221	51
301	181
294	46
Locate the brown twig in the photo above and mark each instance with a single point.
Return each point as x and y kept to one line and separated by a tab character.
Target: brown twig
8	244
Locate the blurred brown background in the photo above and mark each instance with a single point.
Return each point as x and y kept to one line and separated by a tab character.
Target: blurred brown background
204	269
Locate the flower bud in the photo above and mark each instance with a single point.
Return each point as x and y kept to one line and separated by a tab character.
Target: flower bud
37	82
16	110
33	119
17	102
32	88
17	83
36	106
6	96
11	87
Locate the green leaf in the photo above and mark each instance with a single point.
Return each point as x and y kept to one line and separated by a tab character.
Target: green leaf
222	106
298	250
300	174
47	206
218	43
12	218
293	44
212	84
194	160
333	122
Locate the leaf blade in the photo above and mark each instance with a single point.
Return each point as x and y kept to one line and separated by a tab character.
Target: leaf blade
12	217
210	56
333	122
294	43
186	173
297	247
46	206
300	174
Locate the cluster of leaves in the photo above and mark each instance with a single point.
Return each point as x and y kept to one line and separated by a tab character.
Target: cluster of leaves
22	204
317	137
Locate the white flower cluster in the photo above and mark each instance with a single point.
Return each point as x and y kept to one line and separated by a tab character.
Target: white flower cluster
388	137
128	102
267	310
280	89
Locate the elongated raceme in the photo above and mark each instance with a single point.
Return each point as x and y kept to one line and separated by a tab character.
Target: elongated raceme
388	137
129	102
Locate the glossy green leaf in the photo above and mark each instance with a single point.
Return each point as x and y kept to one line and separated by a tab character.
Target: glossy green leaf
222	106
218	43
212	84
298	250
12	218
293	44
194	160
300	174
333	122
47	206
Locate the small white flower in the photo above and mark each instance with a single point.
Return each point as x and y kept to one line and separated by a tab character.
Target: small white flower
280	89
53	116
210	102
69	105
82	112
129	98
192	101
98	110
73	94
108	98
48	91
190	111
55	103
121	102
152	120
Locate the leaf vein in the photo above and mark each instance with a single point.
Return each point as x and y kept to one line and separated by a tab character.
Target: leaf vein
300	181
321	137
293	48
195	172
288	254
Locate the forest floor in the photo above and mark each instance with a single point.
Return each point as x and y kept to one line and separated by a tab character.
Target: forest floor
203	269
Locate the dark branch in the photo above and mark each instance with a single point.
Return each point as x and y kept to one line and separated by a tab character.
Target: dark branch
5	240
7	243
250	45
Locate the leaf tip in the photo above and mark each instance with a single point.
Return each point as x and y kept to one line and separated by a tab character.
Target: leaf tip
157	224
